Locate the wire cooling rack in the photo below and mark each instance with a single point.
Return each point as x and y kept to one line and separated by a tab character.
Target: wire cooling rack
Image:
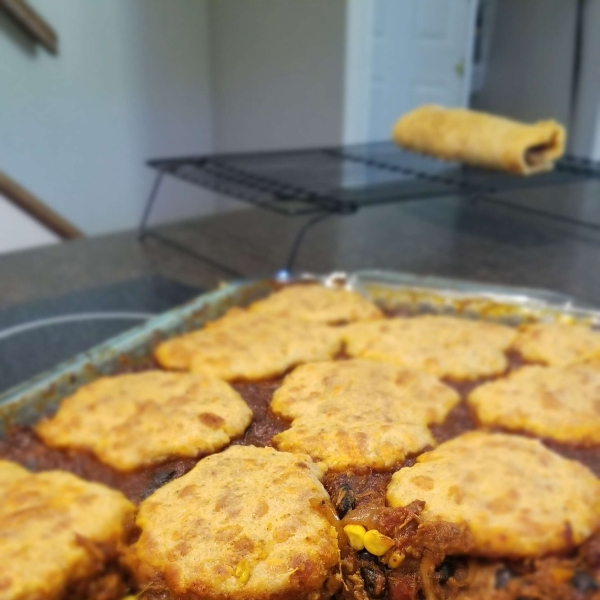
320	182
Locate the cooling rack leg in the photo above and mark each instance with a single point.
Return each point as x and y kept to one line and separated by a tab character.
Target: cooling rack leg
149	205
182	248
291	260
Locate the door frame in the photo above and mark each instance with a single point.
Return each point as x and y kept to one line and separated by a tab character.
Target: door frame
357	72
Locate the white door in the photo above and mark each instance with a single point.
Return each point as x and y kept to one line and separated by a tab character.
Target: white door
421	51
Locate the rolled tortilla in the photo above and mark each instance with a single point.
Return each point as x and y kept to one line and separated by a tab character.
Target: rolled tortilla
480	139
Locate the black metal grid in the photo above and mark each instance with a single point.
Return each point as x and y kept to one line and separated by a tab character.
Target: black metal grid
319	182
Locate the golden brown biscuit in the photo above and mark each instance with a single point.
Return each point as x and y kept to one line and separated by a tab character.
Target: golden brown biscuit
55	530
243	345
562	403
11	472
518	498
556	344
359	413
246	523
480	139
378	435
356	383
443	346
318	304
140	419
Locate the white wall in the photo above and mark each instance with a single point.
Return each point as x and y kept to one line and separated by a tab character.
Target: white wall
277	72
530	63
131	82
18	231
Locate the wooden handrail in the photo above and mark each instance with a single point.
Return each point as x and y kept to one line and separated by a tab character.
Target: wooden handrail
32	23
34	207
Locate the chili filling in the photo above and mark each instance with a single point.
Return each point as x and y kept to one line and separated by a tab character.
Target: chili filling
435	563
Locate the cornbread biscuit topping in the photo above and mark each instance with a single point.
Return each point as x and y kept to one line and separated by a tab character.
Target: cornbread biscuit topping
517	498
244	345
246	523
359	413
556	344
130	421
379	435
354	384
443	346
318	304
325	482
11	472
562	403
55	530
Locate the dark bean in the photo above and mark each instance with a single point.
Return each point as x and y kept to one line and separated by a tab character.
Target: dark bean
374	578
158	480
584	582
164	477
30	464
366	555
445	570
345	499
503	576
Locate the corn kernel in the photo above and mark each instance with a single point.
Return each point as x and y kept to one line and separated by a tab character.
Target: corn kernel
242	571
561	574
395	560
355	534
377	543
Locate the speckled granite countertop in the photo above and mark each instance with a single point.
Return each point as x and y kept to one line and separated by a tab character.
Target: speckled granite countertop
450	237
